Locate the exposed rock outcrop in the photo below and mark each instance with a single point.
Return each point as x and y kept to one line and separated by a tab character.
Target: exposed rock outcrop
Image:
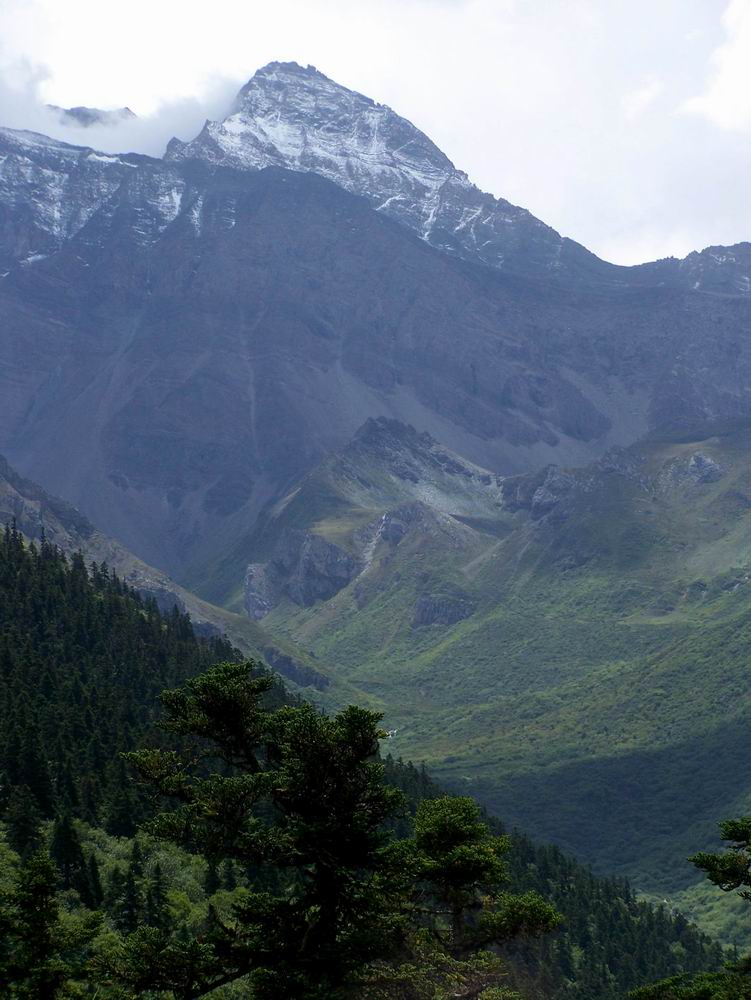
304	568
442	609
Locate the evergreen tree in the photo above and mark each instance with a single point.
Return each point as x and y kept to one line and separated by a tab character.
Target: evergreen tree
67	853
128	907
45	956
731	871
461	873
213	881
229	876
300	798
33	771
95	892
23	822
157	909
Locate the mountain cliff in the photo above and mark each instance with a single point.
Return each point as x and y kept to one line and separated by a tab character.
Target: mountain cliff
181	341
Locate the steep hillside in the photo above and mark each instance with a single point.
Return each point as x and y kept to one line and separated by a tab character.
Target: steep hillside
38	515
576	656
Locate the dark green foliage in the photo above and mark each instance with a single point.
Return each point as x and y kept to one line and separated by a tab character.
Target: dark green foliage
731	871
23	822
608	942
42	956
67	853
706	986
461	869
95	890
83	659
299	799
213	879
128	903
156	910
80	659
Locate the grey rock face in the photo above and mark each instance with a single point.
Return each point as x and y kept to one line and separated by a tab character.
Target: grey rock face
262	591
389	461
723	270
442	609
699	469
304	568
50	191
549	499
312	568
86	117
704	469
295	117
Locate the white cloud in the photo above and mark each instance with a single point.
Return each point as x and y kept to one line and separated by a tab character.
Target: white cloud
21	107
636	102
727	100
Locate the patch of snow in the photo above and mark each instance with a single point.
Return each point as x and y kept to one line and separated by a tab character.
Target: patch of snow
195	214
105	158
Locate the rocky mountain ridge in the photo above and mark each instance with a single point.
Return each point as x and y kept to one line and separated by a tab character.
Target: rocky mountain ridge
86	117
295	117
390	480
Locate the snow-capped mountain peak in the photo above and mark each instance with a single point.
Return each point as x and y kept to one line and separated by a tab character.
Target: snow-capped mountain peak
297	118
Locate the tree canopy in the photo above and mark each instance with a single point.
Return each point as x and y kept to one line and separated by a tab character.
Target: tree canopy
300	798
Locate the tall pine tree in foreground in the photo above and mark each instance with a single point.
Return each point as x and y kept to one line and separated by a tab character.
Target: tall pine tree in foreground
339	907
731	871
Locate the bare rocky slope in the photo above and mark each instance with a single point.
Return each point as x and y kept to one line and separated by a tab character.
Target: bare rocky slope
181	339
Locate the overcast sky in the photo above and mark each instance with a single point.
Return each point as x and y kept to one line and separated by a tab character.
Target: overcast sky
625	124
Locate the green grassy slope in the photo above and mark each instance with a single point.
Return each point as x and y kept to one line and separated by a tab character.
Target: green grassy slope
599	691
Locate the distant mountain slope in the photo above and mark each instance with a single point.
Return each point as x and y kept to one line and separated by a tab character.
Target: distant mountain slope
208	335
577	658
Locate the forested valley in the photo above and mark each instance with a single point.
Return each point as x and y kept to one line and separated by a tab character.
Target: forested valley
228	839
